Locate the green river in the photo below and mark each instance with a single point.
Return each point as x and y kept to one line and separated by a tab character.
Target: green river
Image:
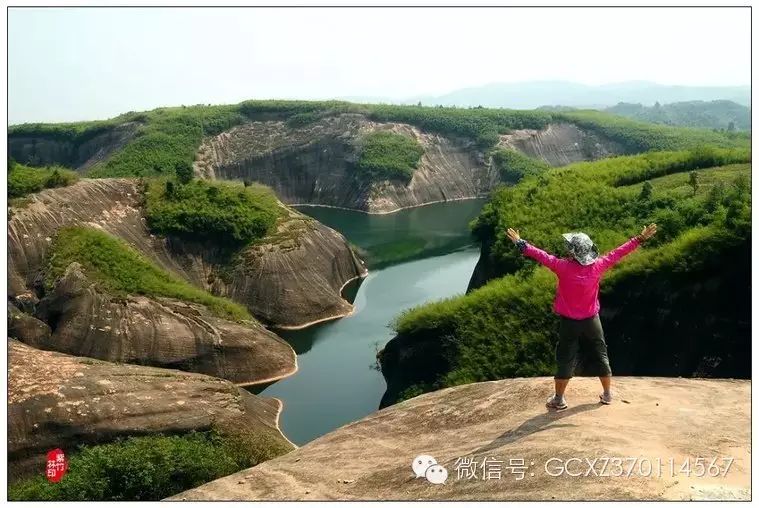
414	256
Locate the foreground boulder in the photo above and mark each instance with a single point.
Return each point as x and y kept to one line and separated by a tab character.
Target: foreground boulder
653	418
61	401
162	332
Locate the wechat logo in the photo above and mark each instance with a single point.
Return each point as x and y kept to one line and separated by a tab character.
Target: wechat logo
425	466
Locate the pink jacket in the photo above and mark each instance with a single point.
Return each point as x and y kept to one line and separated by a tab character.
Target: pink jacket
577	292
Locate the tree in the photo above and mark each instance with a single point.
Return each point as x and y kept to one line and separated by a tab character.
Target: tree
169	192
693	181
731	127
184	172
646	191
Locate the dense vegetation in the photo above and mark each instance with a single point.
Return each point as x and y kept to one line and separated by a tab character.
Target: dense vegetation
121	270
639	137
388	156
150	468
225	213
721	115
512	166
676	307
168	138
24	180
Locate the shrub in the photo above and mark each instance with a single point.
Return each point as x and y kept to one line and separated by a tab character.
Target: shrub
221	212
149	468
386	156
121	270
24	180
513	166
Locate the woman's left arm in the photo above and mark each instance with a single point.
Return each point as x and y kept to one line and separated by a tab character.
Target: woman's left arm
615	256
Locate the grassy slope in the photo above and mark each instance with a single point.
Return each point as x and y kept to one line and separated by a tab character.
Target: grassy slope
698	260
169	137
122	270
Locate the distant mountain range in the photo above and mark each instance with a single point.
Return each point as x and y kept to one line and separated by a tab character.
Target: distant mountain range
534	94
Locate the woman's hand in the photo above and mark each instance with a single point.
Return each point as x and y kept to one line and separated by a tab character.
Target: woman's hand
647	232
513	235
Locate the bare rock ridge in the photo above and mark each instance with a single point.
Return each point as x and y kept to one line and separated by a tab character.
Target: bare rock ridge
56	400
653	418
315	164
80	155
301	269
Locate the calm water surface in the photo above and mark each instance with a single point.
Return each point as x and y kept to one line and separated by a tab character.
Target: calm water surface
414	256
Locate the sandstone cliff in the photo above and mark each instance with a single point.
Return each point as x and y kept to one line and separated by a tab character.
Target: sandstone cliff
41	151
652	418
315	164
560	144
61	401
291	278
161	332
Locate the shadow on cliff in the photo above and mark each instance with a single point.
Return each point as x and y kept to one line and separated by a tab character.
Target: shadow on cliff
535	424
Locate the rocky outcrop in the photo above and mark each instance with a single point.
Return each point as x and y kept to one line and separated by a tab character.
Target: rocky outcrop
41	150
61	401
163	332
560	144
653	420
26	328
316	164
291	278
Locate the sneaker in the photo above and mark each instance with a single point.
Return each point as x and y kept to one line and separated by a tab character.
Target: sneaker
605	398
555	403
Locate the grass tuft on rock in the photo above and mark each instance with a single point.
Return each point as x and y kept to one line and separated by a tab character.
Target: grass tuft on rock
122	270
389	156
225	213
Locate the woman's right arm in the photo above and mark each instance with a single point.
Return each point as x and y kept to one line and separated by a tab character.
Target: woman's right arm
551	262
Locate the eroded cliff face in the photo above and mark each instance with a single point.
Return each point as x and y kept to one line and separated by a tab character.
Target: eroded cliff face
291	278
315	164
61	401
41	151
560	144
507	420
164	332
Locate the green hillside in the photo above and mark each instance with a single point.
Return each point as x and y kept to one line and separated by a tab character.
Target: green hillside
678	306
720	115
168	138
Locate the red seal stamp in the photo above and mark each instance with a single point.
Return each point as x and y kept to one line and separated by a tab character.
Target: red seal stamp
56	465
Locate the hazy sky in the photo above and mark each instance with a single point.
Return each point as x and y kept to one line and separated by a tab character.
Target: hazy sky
86	63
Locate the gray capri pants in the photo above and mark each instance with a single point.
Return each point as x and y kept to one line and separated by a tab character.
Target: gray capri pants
581	340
